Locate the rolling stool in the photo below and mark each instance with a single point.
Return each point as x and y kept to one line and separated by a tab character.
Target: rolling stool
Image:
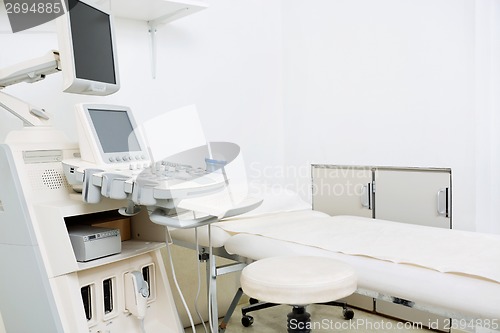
298	281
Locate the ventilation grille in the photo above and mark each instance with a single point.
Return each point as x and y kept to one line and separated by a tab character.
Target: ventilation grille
43	178
53	179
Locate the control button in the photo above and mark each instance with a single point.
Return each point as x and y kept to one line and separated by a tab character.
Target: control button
111	159
118	159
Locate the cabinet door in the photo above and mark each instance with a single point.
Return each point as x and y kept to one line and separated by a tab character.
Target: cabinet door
417	196
342	190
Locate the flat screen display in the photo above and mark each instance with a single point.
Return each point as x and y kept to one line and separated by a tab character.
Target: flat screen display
92	43
114	130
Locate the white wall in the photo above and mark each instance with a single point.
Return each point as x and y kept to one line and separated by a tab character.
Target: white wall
487	53
389	82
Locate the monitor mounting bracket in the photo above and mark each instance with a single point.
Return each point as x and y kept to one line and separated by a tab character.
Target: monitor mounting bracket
28	71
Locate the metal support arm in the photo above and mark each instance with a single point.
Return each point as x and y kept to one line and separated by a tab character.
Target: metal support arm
28	71
30	115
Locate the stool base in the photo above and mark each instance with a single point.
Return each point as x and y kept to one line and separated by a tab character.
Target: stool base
299	320
255	305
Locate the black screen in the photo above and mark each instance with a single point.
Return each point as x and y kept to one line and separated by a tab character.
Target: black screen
114	131
92	43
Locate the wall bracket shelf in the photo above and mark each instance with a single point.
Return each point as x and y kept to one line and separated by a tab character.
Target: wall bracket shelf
156	13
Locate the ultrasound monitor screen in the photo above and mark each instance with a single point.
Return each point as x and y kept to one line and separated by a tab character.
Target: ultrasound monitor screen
92	43
114	130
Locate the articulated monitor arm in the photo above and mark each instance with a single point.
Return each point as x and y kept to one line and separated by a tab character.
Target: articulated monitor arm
28	71
31	70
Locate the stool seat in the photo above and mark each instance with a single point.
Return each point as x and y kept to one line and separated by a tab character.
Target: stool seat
298	280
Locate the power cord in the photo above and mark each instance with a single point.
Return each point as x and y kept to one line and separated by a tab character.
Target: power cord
143	329
167	238
210	254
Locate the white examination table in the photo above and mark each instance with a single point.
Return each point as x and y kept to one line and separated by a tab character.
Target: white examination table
461	280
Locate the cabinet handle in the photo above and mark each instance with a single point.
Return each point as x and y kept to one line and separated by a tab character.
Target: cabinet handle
442	202
365	196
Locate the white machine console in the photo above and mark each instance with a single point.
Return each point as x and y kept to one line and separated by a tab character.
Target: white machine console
115	163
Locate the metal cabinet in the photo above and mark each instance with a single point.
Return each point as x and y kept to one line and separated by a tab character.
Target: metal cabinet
409	195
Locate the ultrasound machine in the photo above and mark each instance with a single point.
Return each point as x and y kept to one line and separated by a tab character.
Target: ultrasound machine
82	226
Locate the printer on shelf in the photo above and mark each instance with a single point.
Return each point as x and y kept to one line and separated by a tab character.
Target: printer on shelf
90	242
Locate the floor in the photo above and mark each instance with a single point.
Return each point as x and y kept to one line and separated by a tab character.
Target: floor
323	319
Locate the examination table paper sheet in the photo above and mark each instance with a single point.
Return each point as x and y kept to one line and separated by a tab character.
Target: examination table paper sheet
444	250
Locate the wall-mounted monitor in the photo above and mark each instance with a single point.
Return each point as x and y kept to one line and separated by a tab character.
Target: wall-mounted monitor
108	135
87	49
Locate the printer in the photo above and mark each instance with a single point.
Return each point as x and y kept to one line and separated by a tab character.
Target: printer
90	242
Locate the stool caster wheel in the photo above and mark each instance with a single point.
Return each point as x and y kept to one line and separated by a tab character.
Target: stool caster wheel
348	313
247	321
253	301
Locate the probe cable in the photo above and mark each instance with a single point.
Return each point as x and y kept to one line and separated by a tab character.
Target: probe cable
169	242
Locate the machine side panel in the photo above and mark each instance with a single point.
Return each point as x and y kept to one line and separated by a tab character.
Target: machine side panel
14	226
24	283
26	304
